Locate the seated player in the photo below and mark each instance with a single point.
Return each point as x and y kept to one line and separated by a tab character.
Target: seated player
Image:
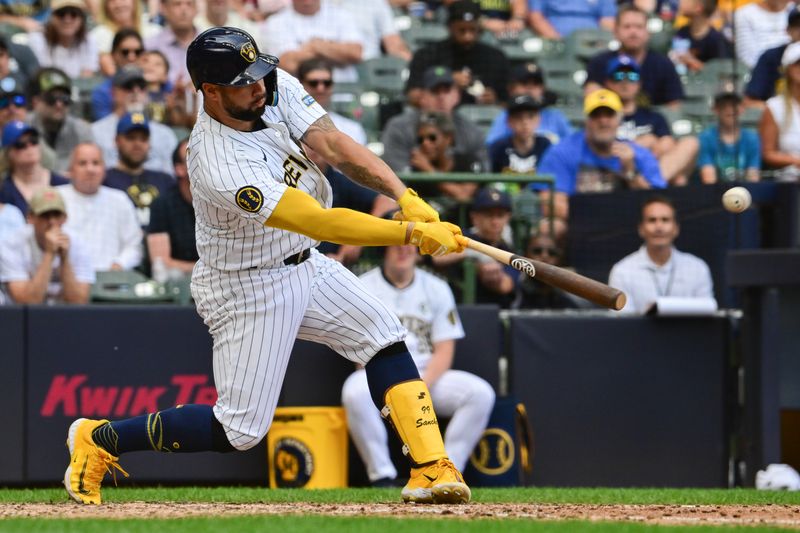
426	307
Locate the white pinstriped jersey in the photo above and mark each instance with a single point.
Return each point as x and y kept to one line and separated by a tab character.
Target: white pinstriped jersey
238	177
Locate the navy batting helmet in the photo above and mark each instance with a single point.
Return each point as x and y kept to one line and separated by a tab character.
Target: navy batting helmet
228	56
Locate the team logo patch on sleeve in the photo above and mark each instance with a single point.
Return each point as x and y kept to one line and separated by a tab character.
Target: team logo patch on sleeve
249	198
308	100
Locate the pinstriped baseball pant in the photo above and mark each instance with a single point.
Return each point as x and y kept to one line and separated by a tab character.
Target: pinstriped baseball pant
254	317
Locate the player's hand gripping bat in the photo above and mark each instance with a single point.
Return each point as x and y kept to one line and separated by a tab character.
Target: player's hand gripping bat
587	288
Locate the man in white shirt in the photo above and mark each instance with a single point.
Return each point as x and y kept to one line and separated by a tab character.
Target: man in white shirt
316	75
759	27
314	29
375	21
426	307
657	269
40	262
103	218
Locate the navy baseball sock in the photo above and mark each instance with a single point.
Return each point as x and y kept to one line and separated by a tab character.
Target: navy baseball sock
390	366
187	428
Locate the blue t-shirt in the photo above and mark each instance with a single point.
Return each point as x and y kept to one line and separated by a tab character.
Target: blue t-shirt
660	81
765	74
728	158
577	168
503	157
713	45
567	17
552	124
643	121
9	194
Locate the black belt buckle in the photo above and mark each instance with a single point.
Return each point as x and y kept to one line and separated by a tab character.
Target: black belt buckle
297	258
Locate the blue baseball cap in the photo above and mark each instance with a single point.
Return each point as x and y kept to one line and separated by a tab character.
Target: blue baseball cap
16	129
490	198
622	62
133	121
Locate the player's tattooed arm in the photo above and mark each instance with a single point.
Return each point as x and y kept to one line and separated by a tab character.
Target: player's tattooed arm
354	160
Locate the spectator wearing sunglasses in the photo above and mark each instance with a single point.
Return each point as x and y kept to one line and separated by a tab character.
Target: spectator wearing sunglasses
26	175
648	128
434	153
439	94
65	42
129	93
127	48
60	130
116	15
14	106
316	75
532	293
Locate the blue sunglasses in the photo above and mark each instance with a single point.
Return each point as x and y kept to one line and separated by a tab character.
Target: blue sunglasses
622	75
16	99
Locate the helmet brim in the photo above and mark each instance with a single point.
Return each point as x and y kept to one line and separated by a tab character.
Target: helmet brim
263	65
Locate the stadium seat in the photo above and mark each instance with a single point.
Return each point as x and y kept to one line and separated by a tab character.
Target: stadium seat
585	43
481	115
419	35
385	75
751	117
128	287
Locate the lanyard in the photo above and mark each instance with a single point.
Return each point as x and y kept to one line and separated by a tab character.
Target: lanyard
670	279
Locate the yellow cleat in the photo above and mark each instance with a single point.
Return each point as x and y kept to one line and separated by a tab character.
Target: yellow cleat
439	482
88	463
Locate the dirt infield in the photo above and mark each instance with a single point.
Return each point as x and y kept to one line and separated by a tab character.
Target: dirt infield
787	516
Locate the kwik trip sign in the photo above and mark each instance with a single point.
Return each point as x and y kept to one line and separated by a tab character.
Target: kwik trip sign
78	396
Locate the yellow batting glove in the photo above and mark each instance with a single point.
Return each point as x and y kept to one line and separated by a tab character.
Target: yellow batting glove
415	209
435	238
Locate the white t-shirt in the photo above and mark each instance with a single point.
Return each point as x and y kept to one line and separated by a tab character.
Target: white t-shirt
374	21
758	30
106	223
71	60
426	308
288	30
788	132
103	35
350	127
238	177
20	256
643	281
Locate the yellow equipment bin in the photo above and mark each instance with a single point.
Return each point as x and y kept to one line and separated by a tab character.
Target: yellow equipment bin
307	448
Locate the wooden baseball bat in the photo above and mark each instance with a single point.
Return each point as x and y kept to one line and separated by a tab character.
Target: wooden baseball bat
587	288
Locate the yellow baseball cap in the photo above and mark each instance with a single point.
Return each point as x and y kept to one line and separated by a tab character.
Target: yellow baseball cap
601	98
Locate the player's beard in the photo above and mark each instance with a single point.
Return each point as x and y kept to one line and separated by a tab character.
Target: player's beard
242	113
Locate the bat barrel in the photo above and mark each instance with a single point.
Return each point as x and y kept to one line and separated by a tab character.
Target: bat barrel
594	291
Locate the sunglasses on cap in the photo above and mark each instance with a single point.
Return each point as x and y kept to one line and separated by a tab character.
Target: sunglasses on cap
25	142
541	250
431	137
135	52
56	98
68	12
17	100
136	84
323	83
622	75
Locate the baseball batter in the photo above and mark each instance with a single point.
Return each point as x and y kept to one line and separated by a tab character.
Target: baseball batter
426	307
261	207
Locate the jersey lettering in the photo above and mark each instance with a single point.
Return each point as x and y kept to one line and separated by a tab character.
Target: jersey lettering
293	170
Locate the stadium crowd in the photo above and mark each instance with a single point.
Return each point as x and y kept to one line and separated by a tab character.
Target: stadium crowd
96	105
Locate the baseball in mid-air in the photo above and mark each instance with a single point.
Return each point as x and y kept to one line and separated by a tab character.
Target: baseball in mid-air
736	199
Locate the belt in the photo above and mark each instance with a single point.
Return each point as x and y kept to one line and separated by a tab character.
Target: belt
298	258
